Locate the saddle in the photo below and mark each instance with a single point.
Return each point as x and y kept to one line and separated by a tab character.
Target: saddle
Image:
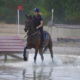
45	35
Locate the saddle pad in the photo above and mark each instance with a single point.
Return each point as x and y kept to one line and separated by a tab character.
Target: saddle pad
45	35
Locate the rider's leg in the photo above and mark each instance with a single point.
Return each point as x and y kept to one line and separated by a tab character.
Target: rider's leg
42	36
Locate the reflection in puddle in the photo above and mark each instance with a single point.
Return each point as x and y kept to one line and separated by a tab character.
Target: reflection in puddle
51	73
40	73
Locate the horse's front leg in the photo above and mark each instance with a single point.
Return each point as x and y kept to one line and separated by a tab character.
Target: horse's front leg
36	51
24	54
41	53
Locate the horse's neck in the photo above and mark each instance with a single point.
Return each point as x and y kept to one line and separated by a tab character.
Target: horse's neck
31	31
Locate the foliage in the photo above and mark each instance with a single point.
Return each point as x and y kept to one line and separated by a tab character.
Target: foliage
65	11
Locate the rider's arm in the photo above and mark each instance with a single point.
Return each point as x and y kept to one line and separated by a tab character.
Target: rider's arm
41	23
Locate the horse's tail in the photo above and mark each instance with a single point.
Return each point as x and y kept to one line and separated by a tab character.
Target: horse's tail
45	49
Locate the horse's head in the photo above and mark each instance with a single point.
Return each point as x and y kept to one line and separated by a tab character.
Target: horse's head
28	23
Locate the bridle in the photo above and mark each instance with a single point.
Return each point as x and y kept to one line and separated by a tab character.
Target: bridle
33	33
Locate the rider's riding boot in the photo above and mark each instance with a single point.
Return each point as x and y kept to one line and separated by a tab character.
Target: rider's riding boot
44	44
43	41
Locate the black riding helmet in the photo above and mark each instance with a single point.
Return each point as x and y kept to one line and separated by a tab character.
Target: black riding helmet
36	9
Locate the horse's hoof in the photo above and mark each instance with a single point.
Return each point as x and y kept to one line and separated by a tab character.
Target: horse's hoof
25	58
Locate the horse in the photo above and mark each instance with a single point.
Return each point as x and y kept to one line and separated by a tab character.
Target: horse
34	40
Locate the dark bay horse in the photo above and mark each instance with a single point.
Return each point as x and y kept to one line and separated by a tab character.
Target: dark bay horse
34	40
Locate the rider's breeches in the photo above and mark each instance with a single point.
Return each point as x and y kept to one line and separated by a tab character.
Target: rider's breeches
42	36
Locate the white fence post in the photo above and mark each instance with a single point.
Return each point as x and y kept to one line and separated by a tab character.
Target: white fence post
18	21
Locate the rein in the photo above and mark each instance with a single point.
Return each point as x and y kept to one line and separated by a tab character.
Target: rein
31	35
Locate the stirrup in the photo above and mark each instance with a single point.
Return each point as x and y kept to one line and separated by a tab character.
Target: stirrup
44	44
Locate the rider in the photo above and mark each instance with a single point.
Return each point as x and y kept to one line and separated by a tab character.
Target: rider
38	23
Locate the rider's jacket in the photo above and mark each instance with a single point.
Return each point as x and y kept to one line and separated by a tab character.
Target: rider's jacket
36	20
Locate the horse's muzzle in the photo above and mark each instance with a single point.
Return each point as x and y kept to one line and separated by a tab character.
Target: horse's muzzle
25	29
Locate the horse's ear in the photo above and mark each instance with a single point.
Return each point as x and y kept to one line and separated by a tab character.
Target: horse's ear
30	16
26	15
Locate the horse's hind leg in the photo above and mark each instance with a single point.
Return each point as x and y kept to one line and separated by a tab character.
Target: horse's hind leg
40	51
51	51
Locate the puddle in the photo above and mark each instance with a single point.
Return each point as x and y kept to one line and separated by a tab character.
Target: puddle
65	67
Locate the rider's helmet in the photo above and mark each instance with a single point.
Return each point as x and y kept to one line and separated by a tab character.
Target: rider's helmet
36	9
